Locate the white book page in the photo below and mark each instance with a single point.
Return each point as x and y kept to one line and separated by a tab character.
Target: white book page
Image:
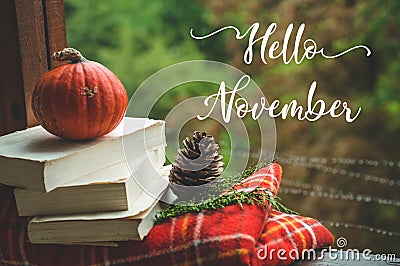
142	204
36	144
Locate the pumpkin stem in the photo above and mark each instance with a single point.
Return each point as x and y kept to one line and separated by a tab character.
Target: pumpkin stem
70	54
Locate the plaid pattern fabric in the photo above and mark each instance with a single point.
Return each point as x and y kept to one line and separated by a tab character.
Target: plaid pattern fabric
230	236
287	237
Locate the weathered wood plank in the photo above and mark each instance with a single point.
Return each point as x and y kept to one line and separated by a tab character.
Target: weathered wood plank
55	28
12	99
31	31
32	46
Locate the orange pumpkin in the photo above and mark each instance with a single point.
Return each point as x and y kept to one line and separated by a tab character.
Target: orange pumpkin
79	100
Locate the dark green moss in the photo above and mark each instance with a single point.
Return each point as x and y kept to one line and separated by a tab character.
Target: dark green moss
258	196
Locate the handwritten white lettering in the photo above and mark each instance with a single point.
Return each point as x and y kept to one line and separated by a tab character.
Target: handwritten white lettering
310	46
313	111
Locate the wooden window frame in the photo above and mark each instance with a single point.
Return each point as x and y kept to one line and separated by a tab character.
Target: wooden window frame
31	31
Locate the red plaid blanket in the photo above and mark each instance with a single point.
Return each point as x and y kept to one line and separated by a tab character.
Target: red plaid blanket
235	235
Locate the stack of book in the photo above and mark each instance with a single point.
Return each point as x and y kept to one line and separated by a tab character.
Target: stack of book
87	192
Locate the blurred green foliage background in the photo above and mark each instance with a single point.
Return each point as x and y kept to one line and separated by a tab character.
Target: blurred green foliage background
137	38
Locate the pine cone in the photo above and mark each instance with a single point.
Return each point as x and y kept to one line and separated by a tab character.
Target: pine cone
198	163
